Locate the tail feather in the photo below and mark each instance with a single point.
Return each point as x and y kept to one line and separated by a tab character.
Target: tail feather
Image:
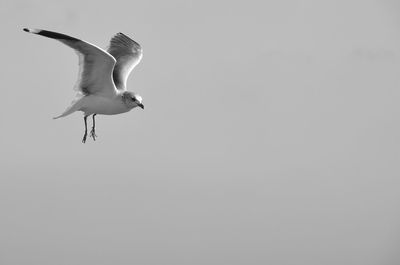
75	106
67	112
60	116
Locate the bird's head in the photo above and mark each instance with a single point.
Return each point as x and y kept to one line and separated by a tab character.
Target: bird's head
132	100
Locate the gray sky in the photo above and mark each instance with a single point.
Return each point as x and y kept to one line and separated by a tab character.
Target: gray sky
270	136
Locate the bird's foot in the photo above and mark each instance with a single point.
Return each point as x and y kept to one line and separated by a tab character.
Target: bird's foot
93	134
84	138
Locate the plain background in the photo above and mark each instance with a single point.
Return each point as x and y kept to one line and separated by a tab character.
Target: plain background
270	135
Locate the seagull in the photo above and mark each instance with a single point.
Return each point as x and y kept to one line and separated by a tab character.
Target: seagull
101	85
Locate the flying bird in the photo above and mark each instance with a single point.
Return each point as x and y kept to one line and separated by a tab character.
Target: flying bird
101	85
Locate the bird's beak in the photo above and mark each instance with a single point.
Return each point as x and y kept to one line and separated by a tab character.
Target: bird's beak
141	105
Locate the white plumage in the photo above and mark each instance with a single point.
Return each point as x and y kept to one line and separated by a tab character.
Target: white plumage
102	77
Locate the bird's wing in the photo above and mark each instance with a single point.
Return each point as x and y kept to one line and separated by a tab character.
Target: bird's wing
128	54
95	64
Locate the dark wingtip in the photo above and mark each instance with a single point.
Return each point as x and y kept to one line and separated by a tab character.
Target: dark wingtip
56	35
26	29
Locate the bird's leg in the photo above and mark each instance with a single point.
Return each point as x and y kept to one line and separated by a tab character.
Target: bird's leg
92	132
84	136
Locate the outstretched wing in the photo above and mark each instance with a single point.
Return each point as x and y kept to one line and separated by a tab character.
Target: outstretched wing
95	64
128	54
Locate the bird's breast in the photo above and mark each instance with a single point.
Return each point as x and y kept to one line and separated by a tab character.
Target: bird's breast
103	105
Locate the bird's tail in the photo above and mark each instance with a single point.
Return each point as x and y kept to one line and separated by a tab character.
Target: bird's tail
68	111
75	105
65	113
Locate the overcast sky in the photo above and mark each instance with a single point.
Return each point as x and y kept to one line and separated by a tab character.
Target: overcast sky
270	135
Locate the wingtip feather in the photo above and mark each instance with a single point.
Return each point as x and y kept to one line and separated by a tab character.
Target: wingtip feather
31	30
